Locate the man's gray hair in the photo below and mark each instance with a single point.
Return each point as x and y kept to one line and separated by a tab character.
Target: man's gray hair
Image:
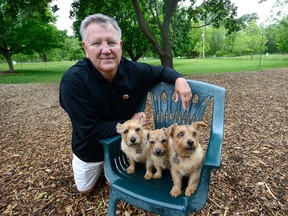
99	19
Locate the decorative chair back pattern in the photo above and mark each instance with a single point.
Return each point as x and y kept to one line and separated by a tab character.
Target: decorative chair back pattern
167	112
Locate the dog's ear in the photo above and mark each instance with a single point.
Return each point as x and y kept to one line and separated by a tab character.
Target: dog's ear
148	135
166	131
197	125
171	129
119	128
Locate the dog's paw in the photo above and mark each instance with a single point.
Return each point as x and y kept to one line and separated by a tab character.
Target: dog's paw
148	175
189	190
130	170
157	175
175	192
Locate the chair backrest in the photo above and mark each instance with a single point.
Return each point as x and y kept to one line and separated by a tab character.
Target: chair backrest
166	111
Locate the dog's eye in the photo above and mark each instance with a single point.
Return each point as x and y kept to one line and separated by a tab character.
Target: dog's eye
163	141
137	129
152	142
125	132
180	134
194	134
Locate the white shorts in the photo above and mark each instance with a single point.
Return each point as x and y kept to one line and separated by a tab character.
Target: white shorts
86	174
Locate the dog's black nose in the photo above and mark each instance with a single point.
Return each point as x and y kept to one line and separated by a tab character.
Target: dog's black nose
158	152
190	143
133	139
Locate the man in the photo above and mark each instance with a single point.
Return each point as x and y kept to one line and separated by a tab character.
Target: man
104	89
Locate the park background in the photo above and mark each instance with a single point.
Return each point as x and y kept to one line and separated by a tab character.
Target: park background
184	30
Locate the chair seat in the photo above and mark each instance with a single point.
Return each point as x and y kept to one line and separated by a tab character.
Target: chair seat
151	195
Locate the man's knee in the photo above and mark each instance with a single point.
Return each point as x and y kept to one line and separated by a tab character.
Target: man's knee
86	174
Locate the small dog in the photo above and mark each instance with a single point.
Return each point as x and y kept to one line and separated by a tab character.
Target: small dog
186	156
159	153
134	142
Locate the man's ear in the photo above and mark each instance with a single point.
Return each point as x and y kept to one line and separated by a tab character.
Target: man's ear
85	48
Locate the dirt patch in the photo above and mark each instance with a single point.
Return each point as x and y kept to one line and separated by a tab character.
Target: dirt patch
36	176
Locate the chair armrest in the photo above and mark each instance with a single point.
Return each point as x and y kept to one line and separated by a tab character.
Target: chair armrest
111	151
109	142
213	152
214	149
212	161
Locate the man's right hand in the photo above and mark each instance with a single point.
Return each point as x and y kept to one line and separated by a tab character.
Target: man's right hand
142	116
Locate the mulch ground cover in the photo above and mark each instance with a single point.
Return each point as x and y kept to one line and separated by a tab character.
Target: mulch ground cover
35	136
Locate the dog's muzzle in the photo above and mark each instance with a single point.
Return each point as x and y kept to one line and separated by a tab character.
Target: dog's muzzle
158	152
133	139
190	145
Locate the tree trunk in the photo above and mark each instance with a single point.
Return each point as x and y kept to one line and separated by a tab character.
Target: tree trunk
11	66
260	59
166	59
5	52
44	57
164	52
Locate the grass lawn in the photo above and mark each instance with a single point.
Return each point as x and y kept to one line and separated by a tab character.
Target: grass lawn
51	72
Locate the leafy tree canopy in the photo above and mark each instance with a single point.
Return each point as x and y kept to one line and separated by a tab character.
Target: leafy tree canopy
27	26
159	21
282	35
134	42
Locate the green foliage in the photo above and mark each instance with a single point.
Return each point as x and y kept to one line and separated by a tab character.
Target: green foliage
282	35
165	24
40	38
181	34
25	27
28	32
270	33
134	42
217	40
72	50
20	10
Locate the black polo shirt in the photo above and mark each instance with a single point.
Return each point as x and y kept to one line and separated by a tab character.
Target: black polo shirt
95	105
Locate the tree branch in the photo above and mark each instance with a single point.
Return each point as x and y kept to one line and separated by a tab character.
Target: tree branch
145	27
156	17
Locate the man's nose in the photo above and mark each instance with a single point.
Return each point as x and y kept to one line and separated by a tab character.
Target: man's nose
105	48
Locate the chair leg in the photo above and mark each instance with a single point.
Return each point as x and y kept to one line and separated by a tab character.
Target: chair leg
112	204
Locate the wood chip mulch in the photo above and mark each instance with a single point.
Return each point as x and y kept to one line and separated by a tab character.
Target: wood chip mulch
36	176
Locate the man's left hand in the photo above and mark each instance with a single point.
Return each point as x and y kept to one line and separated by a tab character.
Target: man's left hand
183	90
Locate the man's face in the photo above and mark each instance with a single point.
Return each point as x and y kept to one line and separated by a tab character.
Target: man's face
103	47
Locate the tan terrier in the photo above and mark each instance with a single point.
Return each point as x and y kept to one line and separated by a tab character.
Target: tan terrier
186	156
159	153
134	142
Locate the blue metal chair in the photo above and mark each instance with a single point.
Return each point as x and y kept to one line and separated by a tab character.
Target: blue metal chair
154	195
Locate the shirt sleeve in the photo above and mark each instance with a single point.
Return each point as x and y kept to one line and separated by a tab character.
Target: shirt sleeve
148	75
169	75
